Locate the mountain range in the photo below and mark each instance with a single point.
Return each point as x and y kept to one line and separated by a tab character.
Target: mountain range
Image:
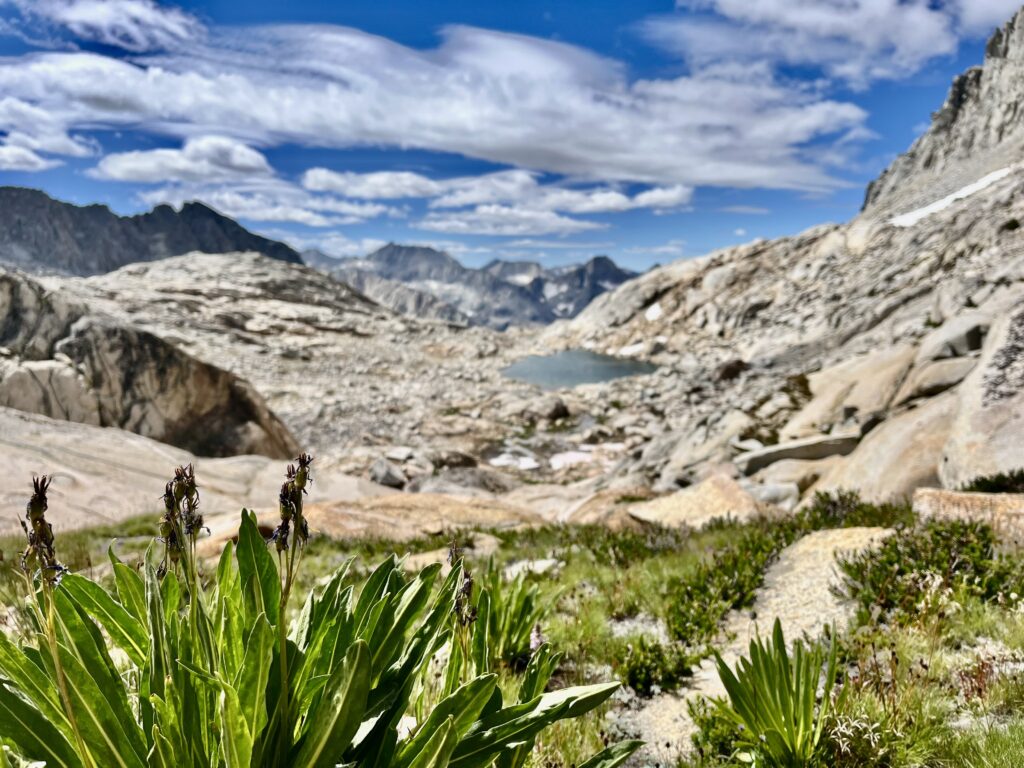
43	235
431	283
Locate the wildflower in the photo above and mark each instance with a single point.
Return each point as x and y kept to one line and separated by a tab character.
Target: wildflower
40	553
536	638
297	478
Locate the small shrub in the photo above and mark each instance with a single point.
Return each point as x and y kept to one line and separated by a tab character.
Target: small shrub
649	666
912	570
1002	482
845	509
715	739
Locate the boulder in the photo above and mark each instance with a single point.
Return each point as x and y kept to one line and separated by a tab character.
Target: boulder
1003	511
853	392
383	472
90	369
783	495
987	434
803	472
102	475
719	496
934	377
898	456
956	337
819	447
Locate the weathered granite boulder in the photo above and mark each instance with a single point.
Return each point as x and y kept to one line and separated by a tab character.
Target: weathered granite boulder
69	364
898	456
987	435
719	496
934	377
1003	511
818	447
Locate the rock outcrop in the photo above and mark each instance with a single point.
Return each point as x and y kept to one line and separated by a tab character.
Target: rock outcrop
43	235
63	360
976	132
891	343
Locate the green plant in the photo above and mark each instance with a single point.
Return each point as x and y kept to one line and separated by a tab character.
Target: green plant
772	695
648	666
714	740
916	571
1001	482
509	615
210	671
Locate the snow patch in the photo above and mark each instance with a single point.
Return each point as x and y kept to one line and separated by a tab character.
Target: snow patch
633	349
653	312
524	463
570	459
913	217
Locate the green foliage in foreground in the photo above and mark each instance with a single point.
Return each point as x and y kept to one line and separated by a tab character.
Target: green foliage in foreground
172	667
912	571
773	697
1001	482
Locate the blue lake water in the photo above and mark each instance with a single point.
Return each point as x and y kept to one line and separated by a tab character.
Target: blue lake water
572	367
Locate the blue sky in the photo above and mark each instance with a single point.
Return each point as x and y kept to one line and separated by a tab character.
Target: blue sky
648	131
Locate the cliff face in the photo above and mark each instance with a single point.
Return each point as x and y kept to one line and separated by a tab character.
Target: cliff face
978	130
43	235
868	352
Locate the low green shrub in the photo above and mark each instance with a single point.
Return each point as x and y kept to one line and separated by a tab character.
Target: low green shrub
909	574
208	670
1002	482
648	666
772	697
716	736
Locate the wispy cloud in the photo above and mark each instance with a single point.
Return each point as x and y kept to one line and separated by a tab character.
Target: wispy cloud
856	41
514	100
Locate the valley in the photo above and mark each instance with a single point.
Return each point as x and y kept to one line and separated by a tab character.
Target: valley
824	430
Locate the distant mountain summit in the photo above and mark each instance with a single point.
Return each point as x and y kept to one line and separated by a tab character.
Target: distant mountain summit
40	234
500	294
977	131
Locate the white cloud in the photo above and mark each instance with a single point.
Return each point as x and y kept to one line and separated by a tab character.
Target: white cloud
21	159
134	25
751	210
270	199
202	159
381	185
740	232
674	249
513	100
504	220
508	187
856	41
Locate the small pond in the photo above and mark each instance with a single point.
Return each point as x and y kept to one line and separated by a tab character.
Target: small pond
574	366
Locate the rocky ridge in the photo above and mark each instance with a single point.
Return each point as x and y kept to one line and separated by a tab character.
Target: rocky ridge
498	295
43	235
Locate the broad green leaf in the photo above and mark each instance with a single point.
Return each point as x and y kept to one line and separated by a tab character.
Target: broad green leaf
33	683
437	751
34	735
251	683
613	756
236	738
341	710
460	709
125	630
257	571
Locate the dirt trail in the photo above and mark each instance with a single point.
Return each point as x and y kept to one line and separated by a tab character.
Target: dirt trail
797	590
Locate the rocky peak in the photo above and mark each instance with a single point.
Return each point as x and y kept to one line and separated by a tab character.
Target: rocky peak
43	235
977	131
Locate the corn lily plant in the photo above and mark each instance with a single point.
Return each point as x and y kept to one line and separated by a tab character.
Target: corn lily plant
172	667
773	697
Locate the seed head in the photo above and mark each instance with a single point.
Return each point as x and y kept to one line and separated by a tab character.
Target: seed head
39	533
290	504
